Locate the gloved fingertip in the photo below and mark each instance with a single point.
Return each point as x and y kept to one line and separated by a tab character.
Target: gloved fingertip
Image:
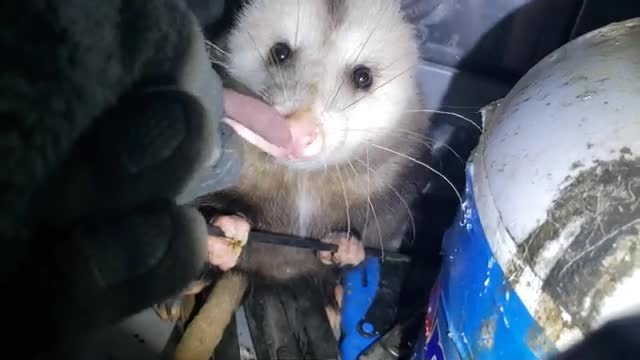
150	126
129	263
223	173
153	144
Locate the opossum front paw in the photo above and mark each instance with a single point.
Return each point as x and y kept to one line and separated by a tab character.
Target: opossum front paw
350	250
175	309
334	311
179	307
224	251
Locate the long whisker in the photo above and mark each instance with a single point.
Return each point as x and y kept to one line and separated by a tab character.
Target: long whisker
253	41
295	45
434	143
376	89
364	45
406	205
467	107
366	219
404	202
219	63
264	61
375	217
424	139
282	84
216	55
212	47
346	199
390	64
373	30
408	137
269	71
373	210
295	42
337	92
420	139
353	168
366	222
370	207
449	113
264	95
423	164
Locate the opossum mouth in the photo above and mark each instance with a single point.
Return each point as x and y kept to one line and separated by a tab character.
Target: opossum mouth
258	123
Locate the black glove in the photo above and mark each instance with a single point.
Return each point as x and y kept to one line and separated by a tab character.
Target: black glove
101	148
110	239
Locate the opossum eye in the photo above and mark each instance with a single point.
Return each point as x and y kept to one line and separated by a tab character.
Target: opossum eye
361	77
279	54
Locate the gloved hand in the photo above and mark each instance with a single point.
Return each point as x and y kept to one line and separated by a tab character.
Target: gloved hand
102	142
111	124
111	238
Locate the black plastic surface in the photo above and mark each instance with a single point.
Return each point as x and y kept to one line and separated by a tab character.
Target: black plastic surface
499	37
290	323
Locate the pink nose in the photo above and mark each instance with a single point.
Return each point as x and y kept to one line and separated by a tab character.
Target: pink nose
305	135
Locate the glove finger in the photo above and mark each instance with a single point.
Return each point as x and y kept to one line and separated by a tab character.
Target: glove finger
126	264
223	174
148	147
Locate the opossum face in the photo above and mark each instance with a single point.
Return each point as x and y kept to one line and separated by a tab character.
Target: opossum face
341	71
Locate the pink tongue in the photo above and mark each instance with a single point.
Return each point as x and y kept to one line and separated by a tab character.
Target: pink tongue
257	122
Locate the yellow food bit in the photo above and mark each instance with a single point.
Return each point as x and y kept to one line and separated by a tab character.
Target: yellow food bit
236	244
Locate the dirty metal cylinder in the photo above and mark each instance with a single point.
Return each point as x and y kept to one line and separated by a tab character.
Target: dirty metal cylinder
546	246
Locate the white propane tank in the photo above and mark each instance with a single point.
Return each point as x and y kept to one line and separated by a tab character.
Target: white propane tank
547	244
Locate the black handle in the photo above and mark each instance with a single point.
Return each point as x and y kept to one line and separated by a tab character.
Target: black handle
306	243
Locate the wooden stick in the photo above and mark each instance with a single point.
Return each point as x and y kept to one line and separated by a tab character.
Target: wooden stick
205	331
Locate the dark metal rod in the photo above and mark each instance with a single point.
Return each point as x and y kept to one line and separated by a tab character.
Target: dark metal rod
306	243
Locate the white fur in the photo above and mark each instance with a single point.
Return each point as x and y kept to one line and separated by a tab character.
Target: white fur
307	204
324	58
